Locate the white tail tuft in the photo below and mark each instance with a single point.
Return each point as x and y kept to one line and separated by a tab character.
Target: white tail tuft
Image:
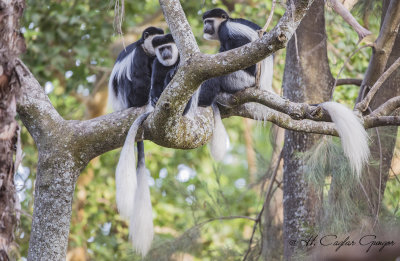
219	140
267	73
125	175
141	229
113	102
122	68
352	134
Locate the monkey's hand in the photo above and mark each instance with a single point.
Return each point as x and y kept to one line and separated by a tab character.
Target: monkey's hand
154	101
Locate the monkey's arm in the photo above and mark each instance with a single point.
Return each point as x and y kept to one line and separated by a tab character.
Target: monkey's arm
209	91
157	82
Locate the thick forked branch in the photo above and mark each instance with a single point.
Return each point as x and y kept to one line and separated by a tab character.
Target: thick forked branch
93	137
36	111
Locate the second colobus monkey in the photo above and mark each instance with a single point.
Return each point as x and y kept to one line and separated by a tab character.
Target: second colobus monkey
165	64
129	86
164	69
233	33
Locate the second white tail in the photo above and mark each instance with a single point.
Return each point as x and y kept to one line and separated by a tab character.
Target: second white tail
352	134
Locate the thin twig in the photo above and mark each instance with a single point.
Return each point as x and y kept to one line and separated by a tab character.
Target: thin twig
271	14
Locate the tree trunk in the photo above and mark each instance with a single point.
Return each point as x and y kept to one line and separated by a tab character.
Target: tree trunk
54	189
305	79
11	45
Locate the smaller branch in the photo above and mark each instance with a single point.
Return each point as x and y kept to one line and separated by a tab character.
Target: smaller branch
349	18
376	121
363	105
34	107
348	81
260	112
388	107
273	101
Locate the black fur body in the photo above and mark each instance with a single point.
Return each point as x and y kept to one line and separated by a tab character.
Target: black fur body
130	80
231	33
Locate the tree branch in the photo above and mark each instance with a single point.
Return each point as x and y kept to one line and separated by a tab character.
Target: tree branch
36	111
180	28
388	107
348	82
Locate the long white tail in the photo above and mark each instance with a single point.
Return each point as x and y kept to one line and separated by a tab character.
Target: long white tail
352	134
219	140
141	229
125	175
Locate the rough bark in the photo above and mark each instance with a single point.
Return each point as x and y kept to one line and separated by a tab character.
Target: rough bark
11	45
305	80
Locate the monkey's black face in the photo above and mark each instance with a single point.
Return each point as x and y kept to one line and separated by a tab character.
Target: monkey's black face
167	54
211	27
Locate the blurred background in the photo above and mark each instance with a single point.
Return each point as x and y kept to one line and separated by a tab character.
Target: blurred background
200	207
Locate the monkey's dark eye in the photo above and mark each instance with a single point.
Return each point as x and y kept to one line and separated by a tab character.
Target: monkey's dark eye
224	16
145	35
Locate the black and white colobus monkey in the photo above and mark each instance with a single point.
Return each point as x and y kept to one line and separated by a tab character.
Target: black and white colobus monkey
129	86
130	80
232	33
164	69
165	65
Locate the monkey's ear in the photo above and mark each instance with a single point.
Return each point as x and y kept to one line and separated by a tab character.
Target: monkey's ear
145	35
